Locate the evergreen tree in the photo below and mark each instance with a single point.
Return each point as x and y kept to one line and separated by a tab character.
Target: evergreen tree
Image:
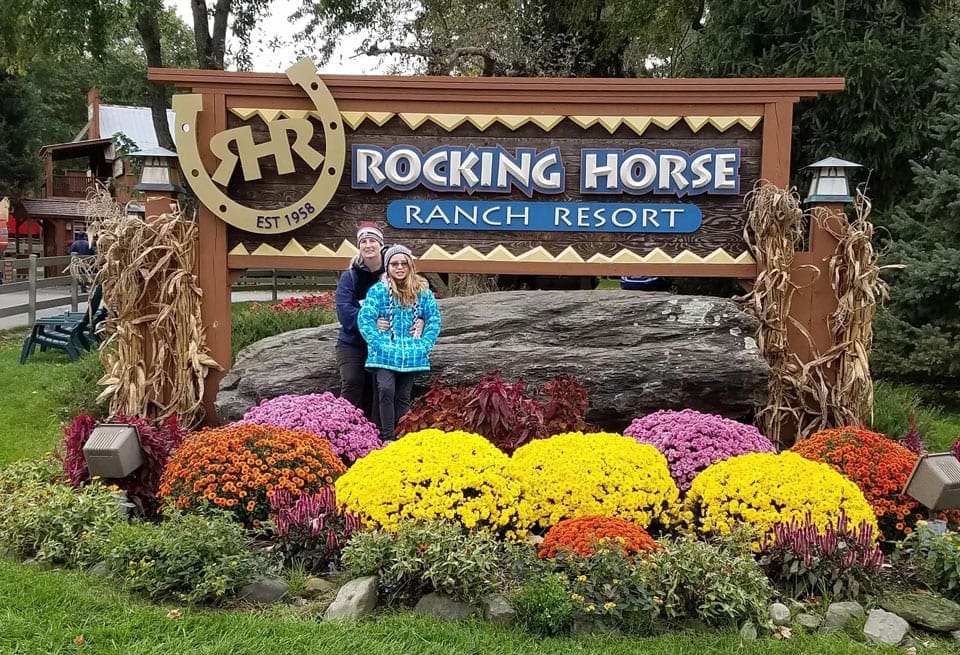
886	49
918	336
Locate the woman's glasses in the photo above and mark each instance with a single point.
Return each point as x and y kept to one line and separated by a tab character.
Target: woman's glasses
399	265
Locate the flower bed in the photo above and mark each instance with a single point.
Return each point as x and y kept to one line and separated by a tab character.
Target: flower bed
583	535
239	466
763	489
602	474
344	426
878	465
430	474
692	441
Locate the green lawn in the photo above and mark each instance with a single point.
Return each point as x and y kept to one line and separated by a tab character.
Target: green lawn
43	612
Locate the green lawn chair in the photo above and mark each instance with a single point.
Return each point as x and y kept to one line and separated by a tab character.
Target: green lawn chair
71	332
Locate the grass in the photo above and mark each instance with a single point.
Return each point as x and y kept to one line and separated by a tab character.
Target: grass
47	612
891	416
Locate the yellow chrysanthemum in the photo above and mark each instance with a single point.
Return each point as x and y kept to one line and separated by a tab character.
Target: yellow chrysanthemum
600	474
763	489
432	474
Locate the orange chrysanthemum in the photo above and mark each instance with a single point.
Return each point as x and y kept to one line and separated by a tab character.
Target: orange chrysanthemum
236	467
582	535
876	464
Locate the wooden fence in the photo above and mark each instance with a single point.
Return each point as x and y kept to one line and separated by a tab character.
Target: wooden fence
33	265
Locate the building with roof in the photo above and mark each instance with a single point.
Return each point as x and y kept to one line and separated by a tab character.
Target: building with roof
72	167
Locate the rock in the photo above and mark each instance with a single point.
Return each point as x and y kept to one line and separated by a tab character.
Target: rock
497	610
748	632
634	352
591	625
354	600
779	614
884	627
100	570
314	587
534	540
263	591
444	607
808	621
839	614
926	610
955	634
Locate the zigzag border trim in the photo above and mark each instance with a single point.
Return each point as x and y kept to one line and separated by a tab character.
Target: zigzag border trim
449	122
502	254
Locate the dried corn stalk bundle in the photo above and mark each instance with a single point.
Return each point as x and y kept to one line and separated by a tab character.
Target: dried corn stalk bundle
855	277
773	232
835	387
155	356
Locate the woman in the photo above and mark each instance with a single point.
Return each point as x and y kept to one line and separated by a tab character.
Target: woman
401	299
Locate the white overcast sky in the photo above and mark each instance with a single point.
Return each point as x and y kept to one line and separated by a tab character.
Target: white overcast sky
267	60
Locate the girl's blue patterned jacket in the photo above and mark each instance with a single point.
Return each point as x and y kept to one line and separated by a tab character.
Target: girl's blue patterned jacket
395	349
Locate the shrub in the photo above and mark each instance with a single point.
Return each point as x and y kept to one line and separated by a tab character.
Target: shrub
544	607
157	440
838	560
78	394
344	426
600	474
185	558
718	583
692	441
324	300
254	322
762	490
892	407
431	474
878	465
24	472
419	558
238	466
501	412
582	536
56	523
310	531
938	556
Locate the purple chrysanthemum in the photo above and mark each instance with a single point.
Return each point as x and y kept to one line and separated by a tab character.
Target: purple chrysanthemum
692	441
346	428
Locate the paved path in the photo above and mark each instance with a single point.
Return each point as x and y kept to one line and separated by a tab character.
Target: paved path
20	298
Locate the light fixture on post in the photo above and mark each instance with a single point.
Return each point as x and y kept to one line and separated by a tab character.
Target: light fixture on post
830	182
935	484
159	179
113	450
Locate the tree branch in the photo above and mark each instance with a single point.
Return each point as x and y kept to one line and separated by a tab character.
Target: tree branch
149	30
491	58
201	31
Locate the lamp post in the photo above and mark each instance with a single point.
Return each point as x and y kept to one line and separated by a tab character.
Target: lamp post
159	180
830	183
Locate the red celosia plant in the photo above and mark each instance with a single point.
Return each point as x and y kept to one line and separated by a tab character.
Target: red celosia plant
838	560
876	464
955	448
582	535
157	440
322	301
500	411
238	466
912	440
311	530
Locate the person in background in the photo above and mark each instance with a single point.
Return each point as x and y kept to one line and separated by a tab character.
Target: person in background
396	355
81	248
356	385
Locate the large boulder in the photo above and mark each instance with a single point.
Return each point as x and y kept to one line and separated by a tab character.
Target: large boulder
635	352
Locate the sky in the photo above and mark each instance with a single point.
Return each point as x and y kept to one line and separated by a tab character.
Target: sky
268	60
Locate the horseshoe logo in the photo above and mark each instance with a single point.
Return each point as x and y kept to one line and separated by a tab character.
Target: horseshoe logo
329	165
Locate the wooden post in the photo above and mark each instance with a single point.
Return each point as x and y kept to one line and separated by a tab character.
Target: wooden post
74	296
32	290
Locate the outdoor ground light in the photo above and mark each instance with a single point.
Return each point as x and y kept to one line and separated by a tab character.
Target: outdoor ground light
935	484
830	182
113	450
159	172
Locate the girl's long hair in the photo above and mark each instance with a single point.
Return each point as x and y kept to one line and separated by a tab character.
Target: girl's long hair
406	290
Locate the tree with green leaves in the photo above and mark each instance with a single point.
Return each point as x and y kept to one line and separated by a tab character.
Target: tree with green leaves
19	163
885	49
918	336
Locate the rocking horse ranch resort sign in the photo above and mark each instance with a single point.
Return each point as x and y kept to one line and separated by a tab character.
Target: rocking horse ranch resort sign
485	175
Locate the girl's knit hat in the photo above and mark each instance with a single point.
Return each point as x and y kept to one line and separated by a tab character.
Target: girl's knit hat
371	230
393	251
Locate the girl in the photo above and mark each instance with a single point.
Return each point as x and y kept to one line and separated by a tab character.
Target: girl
397	354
